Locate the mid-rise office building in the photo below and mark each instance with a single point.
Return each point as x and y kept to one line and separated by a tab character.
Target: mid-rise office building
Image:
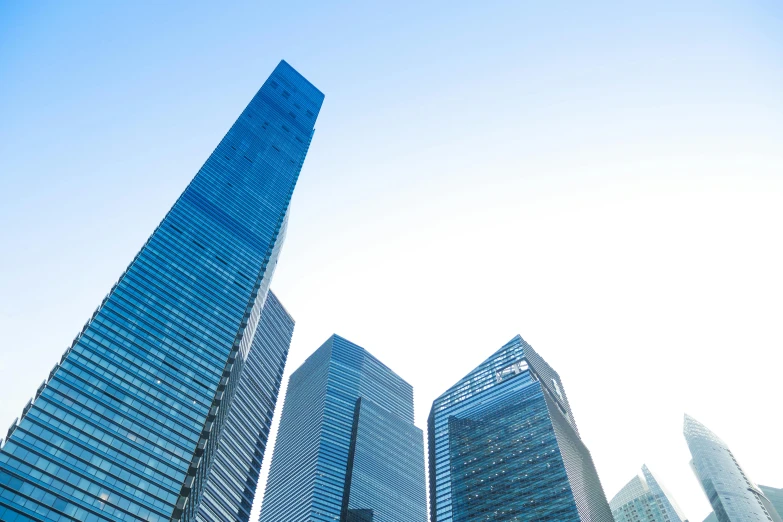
644	499
733	496
346	448
504	446
128	422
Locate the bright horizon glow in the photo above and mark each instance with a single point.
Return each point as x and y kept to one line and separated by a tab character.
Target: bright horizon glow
605	181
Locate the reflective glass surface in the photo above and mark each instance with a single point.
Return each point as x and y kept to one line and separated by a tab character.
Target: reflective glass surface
233	476
503	446
386	467
127	423
644	499
347	448
774	497
733	496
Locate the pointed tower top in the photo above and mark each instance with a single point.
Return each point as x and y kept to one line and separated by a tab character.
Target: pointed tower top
693	428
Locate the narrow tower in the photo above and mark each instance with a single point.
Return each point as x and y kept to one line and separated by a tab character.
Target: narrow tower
127	423
347	448
503	445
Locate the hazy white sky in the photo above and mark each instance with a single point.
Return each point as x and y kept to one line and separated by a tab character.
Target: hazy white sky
604	181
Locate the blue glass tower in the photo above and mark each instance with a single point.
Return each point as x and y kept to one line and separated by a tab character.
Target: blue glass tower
503	446
233	476
644	499
347	448
128	422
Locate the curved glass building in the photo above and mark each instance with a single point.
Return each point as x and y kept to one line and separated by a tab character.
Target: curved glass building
733	496
504	446
644	499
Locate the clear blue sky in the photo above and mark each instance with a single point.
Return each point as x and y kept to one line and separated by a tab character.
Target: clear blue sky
603	178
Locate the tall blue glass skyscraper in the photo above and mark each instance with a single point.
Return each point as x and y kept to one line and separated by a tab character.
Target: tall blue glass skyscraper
231	484
129	420
347	448
644	499
733	496
503	446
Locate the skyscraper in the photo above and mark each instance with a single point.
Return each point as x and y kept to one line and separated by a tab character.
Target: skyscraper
644	499
504	446
734	497
233	476
347	448
127	423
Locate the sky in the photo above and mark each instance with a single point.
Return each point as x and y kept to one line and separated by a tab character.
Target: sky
605	180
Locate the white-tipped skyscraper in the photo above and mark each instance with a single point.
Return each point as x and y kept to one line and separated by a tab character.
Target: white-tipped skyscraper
733	496
644	499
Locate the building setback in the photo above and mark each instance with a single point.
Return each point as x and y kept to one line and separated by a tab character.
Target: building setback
347	448
231	483
733	496
644	499
503	446
127	423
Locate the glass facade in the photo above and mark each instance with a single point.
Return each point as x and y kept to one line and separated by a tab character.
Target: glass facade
503	446
775	498
644	499
233	476
347	448
128	421
733	496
